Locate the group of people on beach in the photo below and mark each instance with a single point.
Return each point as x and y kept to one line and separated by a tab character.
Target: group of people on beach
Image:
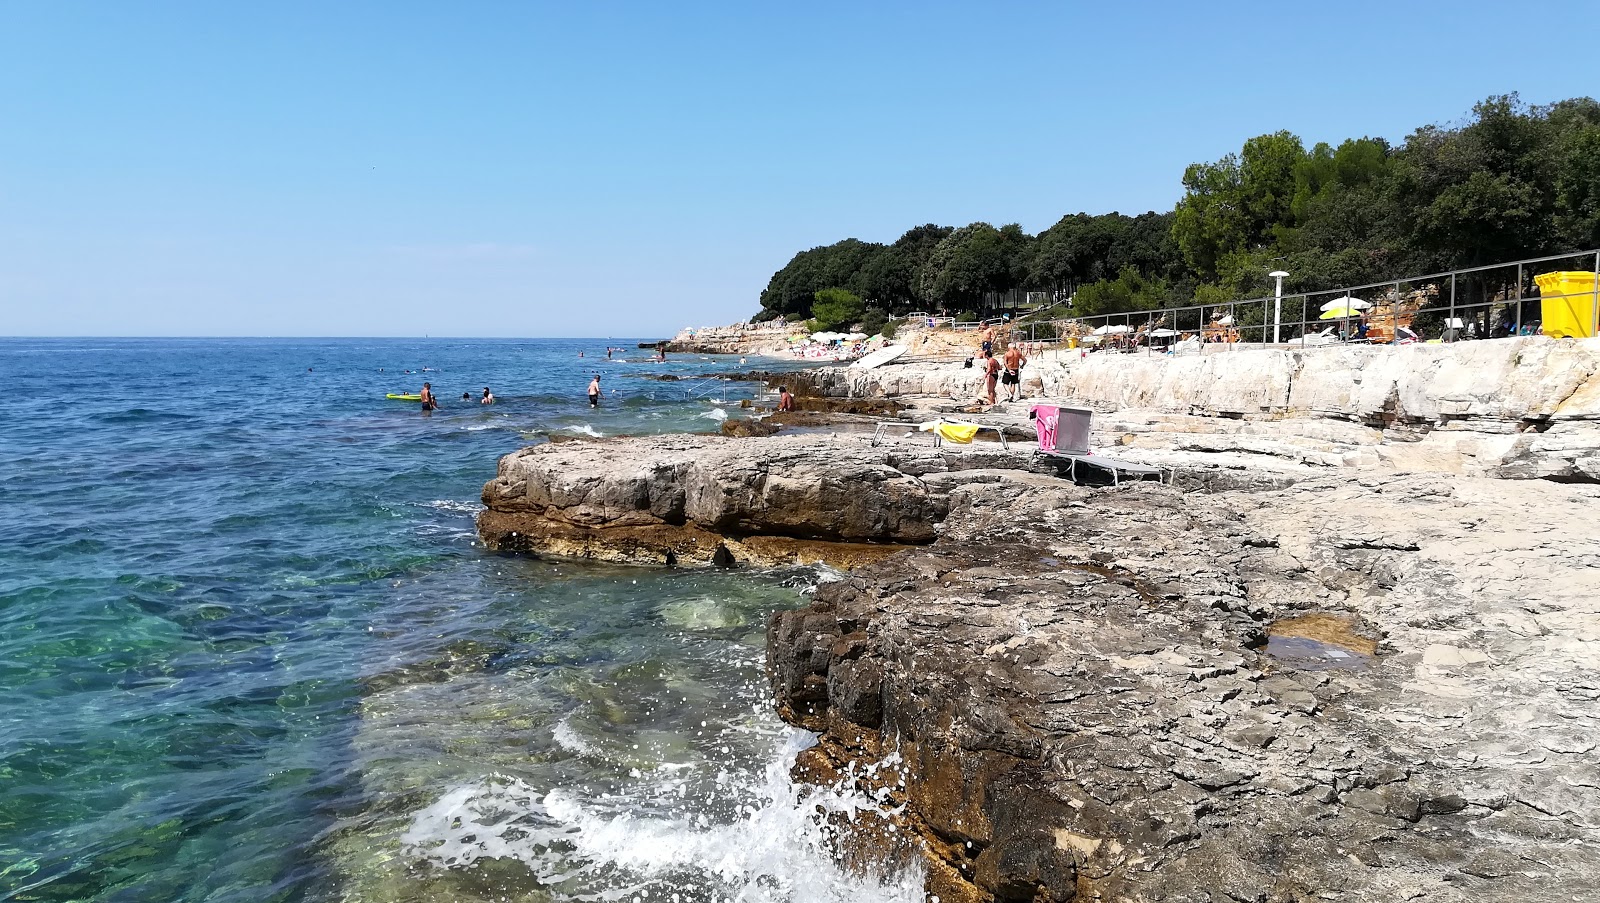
1005	370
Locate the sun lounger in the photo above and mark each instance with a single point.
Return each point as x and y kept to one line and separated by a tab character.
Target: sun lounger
958	431
1117	469
1064	438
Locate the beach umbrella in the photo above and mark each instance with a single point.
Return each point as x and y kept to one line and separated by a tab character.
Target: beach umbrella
855	337
1347	302
1226	321
1339	313
1108	329
1162	333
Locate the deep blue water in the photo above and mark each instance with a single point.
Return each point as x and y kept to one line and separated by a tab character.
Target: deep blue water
250	649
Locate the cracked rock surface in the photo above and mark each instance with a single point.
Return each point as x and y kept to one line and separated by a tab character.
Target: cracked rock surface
1084	693
1078	685
710	499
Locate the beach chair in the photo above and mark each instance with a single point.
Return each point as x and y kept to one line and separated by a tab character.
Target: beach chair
1064	442
960	432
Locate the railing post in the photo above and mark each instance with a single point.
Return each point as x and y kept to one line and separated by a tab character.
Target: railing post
1517	320
1594	305
1394	314
1452	319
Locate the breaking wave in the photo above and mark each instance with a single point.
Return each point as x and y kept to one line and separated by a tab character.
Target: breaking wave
749	838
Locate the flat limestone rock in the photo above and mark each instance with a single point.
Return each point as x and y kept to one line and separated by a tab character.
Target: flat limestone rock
715	500
1079	689
1071	693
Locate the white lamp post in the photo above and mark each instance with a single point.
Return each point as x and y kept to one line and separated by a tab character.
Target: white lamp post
1277	304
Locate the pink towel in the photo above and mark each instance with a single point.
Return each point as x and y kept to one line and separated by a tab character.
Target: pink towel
1045	418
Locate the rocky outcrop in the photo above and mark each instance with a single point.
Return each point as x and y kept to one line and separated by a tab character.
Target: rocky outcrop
1079	691
1075	694
740	338
1522	407
692	500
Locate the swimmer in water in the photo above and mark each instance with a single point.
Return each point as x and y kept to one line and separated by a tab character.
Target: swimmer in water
488	397
594	391
429	403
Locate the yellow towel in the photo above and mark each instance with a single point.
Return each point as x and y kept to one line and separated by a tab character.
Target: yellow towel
952	431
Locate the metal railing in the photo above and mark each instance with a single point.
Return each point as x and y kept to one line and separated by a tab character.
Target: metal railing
1448	306
704	387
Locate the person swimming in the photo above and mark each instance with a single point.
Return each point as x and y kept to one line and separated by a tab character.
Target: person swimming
488	397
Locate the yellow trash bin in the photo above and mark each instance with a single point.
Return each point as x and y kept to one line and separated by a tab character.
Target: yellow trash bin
1571	316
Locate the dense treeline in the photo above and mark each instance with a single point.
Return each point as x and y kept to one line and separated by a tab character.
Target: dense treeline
1512	181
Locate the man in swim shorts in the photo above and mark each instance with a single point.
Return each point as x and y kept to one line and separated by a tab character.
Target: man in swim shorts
991	372
429	403
594	391
1012	377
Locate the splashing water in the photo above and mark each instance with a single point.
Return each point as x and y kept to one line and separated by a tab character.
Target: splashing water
753	838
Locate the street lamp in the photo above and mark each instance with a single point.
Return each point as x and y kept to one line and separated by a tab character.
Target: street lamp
1277	303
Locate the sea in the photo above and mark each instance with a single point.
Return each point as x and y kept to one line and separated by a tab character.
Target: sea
252	650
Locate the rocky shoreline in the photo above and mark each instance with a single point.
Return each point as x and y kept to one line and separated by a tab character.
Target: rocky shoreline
1307	671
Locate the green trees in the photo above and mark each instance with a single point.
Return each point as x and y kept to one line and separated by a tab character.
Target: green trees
1235	205
1512	181
792	289
836	308
972	261
1130	291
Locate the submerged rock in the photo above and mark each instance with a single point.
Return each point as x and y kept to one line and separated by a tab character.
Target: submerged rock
747	426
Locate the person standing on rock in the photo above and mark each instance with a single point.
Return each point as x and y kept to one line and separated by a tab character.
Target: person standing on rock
594	391
1014	359
986	340
991	373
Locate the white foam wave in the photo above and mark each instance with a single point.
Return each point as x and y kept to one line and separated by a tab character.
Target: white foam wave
715	414
454	507
774	844
588	430
568	739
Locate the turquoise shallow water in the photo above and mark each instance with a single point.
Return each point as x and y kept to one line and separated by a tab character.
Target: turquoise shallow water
251	651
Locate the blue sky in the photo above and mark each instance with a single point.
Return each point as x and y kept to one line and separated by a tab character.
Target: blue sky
595	169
